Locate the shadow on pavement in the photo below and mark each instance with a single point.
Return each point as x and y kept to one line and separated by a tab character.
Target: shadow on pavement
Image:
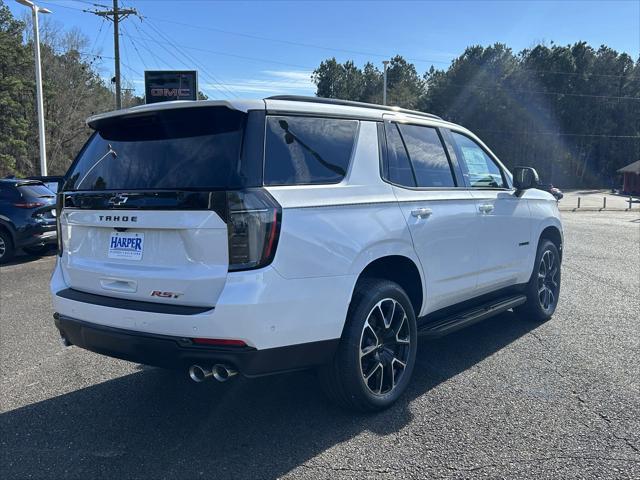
23	257
156	424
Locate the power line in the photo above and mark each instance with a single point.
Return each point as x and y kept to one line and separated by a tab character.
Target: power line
180	59
356	52
136	49
243	57
204	70
145	45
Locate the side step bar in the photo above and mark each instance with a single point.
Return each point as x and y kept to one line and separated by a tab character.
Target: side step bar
444	326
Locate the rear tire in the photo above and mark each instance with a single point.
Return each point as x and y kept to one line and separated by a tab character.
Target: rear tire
6	247
373	364
543	289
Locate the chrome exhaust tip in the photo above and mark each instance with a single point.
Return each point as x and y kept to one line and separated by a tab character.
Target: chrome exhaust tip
222	373
199	374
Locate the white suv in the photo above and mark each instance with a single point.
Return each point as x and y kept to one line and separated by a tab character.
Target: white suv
272	235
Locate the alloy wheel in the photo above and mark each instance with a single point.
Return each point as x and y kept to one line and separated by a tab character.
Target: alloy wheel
548	285
384	346
3	247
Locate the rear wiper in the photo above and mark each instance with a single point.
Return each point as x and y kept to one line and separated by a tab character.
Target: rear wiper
111	152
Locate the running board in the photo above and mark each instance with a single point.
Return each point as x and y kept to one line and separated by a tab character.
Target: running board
444	326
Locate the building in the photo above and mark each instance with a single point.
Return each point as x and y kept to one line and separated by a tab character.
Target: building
631	178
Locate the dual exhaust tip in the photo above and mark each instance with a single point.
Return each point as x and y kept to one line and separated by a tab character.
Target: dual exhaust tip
220	372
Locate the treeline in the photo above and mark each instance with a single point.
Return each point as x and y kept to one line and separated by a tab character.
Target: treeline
573	112
73	90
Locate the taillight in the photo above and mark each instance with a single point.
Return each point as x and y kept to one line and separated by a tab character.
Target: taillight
253	228
59	205
29	204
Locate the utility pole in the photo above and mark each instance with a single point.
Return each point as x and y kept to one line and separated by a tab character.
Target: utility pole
384	82
116	15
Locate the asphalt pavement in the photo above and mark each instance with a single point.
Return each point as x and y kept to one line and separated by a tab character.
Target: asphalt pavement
503	399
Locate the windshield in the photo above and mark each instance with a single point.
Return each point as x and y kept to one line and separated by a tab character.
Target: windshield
187	148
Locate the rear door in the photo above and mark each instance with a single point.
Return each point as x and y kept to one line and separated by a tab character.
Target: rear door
441	216
504	227
145	205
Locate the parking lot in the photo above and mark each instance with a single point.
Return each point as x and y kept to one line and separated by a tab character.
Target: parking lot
505	398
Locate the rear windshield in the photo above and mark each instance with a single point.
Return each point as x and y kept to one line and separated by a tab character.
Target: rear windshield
187	148
35	191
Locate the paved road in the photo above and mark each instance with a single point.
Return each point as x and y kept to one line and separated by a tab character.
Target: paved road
505	398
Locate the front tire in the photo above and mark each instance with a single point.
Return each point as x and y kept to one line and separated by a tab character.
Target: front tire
375	359
543	289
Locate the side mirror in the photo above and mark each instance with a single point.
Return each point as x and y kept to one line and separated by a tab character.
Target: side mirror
525	178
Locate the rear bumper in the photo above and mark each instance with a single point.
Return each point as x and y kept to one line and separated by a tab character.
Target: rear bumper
178	352
35	235
287	324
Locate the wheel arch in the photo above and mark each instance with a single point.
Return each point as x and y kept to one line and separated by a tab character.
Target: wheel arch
400	269
554	234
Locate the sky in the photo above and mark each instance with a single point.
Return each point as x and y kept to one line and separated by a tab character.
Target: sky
256	49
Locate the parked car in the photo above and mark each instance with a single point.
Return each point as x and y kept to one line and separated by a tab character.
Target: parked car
52	182
27	217
256	237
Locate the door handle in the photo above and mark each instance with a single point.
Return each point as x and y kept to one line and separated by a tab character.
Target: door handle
486	208
421	212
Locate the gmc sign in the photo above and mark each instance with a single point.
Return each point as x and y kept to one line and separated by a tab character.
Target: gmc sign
166	85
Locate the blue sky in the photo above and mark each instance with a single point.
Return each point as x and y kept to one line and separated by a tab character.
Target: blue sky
255	49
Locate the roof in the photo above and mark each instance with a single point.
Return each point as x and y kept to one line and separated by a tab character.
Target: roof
349	103
19	181
631	168
278	103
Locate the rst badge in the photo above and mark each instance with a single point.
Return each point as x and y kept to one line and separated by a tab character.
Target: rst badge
128	246
160	294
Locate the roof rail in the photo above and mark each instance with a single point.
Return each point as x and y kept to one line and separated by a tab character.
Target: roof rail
350	103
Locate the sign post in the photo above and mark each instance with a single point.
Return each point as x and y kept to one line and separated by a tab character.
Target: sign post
167	85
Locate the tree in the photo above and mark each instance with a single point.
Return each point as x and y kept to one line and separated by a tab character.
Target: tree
14	68
572	111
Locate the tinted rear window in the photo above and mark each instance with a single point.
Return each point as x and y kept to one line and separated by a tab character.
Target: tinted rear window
305	150
35	191
187	148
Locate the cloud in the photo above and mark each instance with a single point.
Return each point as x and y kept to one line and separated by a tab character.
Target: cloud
270	81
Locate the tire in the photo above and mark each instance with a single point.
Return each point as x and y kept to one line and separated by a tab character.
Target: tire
36	251
6	247
543	289
371	348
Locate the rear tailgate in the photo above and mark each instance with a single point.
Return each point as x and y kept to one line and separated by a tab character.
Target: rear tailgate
178	257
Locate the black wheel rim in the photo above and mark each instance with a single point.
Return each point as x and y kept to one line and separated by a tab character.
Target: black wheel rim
548	280
384	346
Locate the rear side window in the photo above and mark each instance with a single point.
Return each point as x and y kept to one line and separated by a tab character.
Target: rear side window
186	148
428	158
416	157
306	150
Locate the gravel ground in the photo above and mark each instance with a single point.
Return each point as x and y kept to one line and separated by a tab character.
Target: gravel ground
503	399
